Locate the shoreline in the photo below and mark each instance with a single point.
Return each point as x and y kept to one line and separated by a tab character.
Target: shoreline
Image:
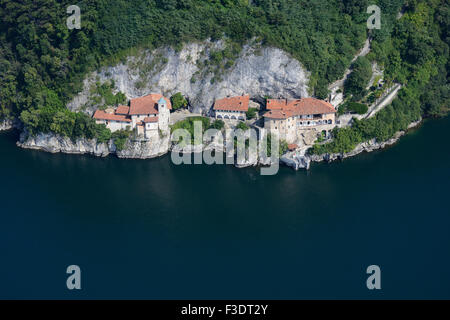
301	161
144	150
8	124
368	146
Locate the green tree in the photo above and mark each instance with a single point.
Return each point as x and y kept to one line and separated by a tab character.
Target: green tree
251	113
243	126
359	78
217	124
178	101
120	138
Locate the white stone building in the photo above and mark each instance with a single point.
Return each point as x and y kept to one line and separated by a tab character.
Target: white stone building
147	115
289	119
232	108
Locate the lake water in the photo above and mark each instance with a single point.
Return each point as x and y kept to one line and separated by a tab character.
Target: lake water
150	229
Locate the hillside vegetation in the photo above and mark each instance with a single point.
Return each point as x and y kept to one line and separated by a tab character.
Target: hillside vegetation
416	55
43	64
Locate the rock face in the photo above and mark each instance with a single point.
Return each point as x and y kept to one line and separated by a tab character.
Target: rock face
6	125
55	144
296	161
145	149
257	71
133	149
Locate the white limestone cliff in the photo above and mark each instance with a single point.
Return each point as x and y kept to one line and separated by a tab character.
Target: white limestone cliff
258	71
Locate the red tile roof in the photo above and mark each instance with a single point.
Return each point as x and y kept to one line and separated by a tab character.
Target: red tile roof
292	146
278	114
239	103
102	115
150	120
123	110
282	109
147	104
273	104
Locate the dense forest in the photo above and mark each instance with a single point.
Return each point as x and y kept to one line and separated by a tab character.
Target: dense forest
43	63
416	54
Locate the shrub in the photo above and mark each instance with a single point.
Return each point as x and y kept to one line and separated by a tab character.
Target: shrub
251	113
359	78
359	108
178	101
217	124
188	124
120	138
243	126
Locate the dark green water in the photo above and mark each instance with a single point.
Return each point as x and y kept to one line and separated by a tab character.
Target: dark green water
150	229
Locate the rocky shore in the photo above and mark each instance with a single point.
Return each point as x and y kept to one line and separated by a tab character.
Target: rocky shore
57	144
147	149
301	160
6	124
133	149
53	143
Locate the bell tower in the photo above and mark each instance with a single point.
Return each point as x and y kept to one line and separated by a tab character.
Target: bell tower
164	114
